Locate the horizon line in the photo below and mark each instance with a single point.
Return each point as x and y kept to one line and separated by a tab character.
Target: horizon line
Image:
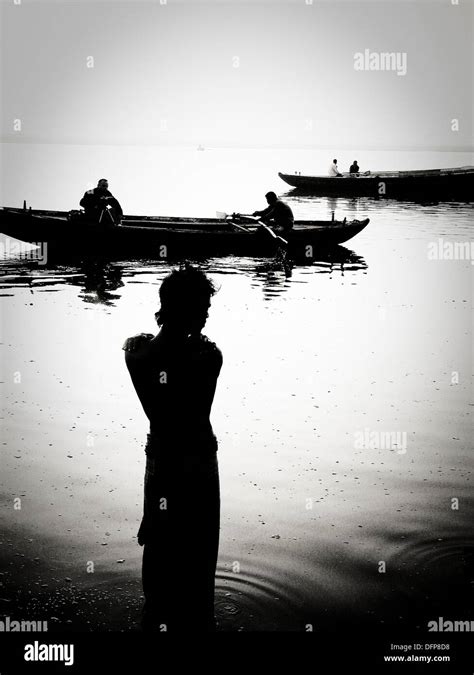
218	146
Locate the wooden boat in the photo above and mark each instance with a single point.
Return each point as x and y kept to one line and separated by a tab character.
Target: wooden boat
457	183
163	237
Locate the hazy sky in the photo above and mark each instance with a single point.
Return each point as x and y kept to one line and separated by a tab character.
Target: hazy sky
236	73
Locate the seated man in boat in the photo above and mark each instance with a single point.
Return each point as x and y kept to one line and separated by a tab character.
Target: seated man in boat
333	170
278	214
100	205
354	168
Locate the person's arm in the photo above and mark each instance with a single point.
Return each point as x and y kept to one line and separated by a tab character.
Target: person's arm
210	382
201	380
265	213
85	200
117	207
136	351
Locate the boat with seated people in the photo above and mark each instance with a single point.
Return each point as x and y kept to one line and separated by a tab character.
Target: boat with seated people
437	184
163	236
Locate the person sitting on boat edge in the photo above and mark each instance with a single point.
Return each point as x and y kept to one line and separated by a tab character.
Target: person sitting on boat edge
100	205
354	168
333	170
277	213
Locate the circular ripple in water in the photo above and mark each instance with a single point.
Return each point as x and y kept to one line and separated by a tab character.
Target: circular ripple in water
245	602
438	572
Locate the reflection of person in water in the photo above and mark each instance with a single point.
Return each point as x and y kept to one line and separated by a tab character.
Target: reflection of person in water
100	278
175	375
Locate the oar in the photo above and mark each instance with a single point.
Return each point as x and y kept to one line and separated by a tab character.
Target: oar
269	229
225	216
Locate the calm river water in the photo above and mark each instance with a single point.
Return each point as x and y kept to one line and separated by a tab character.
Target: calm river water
343	412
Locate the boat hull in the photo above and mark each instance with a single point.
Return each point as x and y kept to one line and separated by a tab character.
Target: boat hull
158	237
436	184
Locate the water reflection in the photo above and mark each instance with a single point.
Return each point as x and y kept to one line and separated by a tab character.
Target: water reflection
422	200
384	211
251	601
98	279
274	275
296	384
423	563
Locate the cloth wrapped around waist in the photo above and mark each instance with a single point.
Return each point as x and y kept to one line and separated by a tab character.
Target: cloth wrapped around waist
200	442
181	489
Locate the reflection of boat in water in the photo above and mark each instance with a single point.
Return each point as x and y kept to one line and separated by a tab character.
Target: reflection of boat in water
98	278
337	258
164	238
435	183
274	275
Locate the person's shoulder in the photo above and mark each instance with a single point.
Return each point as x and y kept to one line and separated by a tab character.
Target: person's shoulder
207	344
137	347
209	348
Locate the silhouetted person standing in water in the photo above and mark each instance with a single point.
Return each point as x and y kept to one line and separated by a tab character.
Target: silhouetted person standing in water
175	375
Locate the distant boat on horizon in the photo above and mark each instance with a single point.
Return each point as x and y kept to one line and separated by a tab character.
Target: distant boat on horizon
457	182
200	147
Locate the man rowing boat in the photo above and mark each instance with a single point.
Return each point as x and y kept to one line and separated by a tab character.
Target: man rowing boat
278	214
100	205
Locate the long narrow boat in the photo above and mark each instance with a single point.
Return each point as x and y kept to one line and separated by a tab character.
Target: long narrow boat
164	237
437	184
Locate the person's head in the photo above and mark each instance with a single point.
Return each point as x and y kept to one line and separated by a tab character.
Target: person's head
271	197
355	162
334	161
103	184
185	297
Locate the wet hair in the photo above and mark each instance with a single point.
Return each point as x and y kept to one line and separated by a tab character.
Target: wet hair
184	293
271	195
101	179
